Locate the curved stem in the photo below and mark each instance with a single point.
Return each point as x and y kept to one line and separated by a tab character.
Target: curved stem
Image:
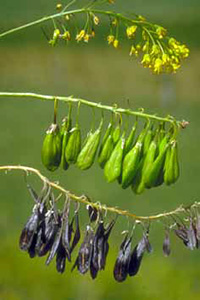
71	99
83	199
75	11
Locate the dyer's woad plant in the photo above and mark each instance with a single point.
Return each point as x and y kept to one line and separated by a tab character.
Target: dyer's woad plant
137	149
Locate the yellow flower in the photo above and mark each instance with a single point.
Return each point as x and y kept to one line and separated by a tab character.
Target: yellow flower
56	35
155	49
80	35
115	43
130	31
146	60
110	39
145	47
184	51
114	22
59	6
165	58
161	32
96	20
133	51
158	64
66	36
92	33
86	38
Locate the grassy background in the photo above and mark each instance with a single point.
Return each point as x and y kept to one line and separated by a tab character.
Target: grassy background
101	74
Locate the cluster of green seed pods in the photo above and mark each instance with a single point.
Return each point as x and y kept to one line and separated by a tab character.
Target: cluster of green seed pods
138	160
141	162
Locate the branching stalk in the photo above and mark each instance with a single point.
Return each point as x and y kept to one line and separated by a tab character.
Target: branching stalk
84	200
112	109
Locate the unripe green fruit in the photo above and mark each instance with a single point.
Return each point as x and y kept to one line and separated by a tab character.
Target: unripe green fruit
51	148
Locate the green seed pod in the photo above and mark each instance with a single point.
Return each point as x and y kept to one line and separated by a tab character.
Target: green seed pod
171	173
106	135
162	132
73	147
130	165
153	173
113	166
65	129
116	134
147	141
131	161
130	139
138	184
146	163
51	148
87	155
106	151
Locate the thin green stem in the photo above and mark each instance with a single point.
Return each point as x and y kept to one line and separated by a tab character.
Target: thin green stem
75	11
84	200
71	99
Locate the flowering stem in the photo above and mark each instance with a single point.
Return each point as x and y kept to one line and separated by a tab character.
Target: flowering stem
84	200
112	109
75	11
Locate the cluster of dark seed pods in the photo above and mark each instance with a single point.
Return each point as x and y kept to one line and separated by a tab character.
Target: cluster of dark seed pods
56	233
50	232
140	161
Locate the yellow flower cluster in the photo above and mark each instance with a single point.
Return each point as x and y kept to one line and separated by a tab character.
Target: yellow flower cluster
113	41
159	61
130	31
84	36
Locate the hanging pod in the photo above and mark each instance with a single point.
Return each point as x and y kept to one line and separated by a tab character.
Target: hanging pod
130	140
171	172
116	134
154	173
121	267
65	133
113	166
51	148
148	139
131	161
106	135
106	151
73	147
87	155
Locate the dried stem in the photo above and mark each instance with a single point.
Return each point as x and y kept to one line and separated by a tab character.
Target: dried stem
113	109
83	199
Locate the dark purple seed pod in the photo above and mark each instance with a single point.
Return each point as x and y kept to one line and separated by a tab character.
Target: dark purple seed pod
51	229
77	234
197	227
191	234
166	244
92	212
61	258
29	230
136	257
121	267
97	248
93	270
147	242
54	247
66	230
182	233
56	241
85	253
32	248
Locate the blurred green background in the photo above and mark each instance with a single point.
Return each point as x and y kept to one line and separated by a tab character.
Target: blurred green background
99	73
